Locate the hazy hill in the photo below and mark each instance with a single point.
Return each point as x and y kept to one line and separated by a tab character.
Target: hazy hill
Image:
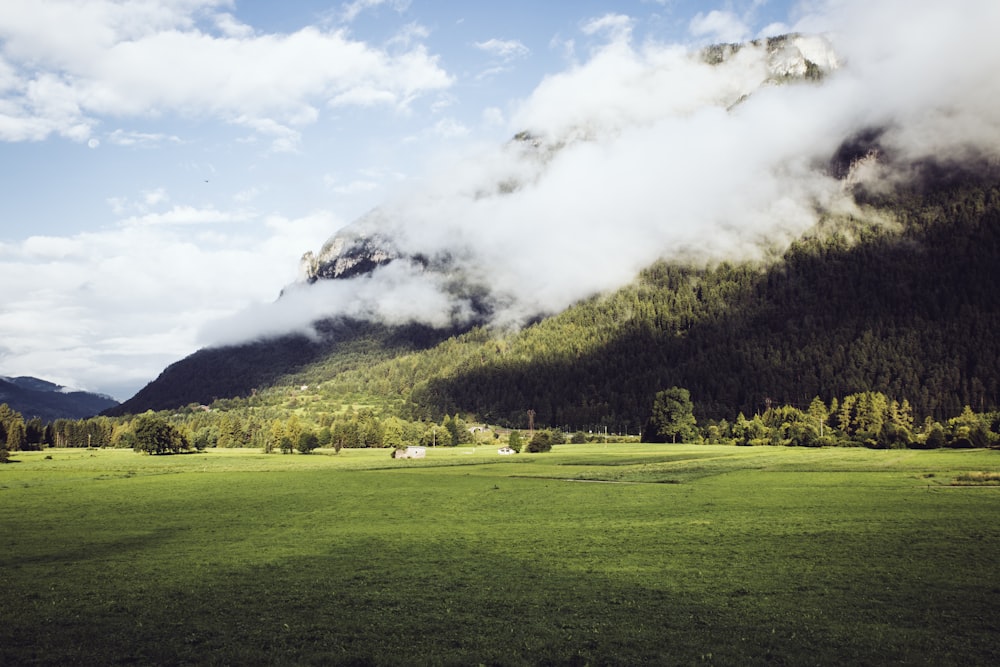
48	401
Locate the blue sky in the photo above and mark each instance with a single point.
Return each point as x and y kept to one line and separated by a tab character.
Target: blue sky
165	163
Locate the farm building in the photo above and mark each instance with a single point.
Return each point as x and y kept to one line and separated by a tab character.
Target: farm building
410	453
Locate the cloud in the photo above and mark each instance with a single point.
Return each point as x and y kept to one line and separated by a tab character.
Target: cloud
719	26
354	187
108	310
350	11
493	117
647	152
230	26
135	139
618	27
449	128
505	50
65	66
408	34
396	293
187	215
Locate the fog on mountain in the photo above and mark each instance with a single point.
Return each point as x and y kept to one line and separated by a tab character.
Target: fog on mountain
658	151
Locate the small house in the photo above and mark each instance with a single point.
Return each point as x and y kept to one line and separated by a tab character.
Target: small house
410	453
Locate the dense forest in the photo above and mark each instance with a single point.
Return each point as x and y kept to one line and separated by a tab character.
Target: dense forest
907	306
898	299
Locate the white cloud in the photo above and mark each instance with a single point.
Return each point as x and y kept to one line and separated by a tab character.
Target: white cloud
155	196
354	187
493	117
449	128
363	96
108	310
408	34
774	30
66	65
352	10
230	26
504	49
248	195
719	26
135	139
187	215
618	27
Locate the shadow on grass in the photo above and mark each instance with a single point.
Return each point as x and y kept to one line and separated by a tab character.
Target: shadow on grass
429	601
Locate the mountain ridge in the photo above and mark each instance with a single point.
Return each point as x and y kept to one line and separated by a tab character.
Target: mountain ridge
34	397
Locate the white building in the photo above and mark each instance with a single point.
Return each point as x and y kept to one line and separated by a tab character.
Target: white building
410	453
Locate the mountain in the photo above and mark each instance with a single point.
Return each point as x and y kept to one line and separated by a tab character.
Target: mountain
907	310
48	401
754	238
426	248
241	370
901	302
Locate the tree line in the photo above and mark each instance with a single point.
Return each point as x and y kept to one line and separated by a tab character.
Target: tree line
198	427
865	419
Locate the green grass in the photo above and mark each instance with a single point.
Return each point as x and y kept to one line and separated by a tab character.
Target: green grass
700	555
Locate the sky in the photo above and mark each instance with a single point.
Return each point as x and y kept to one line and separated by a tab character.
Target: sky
164	164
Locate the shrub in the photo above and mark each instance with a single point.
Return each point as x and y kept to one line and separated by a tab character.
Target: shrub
308	441
540	442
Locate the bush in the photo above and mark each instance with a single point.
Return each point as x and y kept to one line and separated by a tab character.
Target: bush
933	439
540	442
308	441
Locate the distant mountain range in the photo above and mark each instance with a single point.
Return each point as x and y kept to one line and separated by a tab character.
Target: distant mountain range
48	401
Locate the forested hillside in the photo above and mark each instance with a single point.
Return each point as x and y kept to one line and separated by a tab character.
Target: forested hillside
48	401
899	300
909	308
238	371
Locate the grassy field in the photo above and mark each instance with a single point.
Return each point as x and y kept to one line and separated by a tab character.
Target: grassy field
591	554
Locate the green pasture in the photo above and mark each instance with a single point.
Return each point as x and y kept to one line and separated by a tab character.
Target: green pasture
591	554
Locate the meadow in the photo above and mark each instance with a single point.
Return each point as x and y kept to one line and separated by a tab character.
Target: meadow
589	555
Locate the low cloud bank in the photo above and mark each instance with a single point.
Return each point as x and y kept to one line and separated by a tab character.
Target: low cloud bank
648	151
